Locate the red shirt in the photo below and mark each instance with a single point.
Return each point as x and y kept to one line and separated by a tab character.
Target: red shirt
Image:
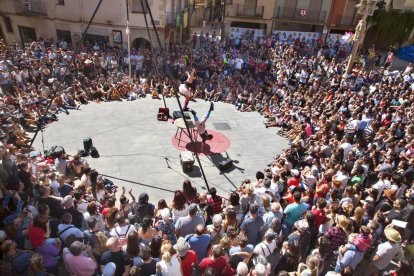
324	189
188	262
294	181
218	264
36	235
319	216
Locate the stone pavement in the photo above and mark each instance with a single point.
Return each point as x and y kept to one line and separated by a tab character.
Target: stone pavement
133	145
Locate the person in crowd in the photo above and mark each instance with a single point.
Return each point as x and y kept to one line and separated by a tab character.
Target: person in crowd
199	242
115	255
188	258
252	225
187	225
77	263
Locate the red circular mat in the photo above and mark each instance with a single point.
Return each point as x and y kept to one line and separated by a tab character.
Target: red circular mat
219	144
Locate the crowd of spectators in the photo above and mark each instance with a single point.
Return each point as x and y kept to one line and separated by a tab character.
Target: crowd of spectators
338	200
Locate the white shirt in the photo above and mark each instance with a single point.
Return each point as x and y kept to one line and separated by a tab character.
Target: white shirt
171	269
239	62
381	186
115	232
387	251
347	148
184	90
176	214
265	249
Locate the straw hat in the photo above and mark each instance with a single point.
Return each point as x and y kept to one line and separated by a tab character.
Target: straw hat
181	247
392	234
302	225
249	188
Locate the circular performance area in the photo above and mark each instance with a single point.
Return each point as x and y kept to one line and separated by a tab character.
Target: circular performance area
143	154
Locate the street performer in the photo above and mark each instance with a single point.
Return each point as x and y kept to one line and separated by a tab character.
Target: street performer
201	125
186	87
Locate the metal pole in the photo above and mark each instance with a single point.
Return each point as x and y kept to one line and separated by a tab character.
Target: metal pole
191	139
128	32
223	27
178	99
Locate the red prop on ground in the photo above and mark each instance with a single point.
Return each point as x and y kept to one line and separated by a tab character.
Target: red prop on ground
219	144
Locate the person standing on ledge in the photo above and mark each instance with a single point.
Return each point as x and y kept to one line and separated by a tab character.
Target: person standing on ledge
201	125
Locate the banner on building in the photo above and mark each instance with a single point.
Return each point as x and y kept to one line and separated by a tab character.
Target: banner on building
292	35
236	32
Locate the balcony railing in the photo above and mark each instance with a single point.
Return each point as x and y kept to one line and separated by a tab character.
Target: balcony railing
301	14
29	7
250	11
228	2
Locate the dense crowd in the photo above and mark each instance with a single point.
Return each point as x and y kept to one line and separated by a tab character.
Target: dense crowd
337	201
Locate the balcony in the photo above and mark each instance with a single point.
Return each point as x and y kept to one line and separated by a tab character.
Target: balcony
29	7
250	11
300	14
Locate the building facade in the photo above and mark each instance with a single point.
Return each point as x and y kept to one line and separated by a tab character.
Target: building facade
24	21
322	17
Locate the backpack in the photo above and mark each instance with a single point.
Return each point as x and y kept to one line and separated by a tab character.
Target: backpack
202	212
122	238
217	238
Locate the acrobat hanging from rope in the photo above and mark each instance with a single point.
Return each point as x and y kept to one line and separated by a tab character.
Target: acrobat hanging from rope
186	87
201	125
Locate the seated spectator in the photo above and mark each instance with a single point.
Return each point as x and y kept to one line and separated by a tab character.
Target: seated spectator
20	260
149	265
188	258
122	230
199	242
243	249
66	228
78	264
146	232
166	226
216	260
169	264
36	266
115	255
252	225
187	225
179	206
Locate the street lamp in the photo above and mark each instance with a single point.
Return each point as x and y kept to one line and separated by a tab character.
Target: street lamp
366	8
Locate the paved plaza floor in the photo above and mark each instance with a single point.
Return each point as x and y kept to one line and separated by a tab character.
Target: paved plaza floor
139	152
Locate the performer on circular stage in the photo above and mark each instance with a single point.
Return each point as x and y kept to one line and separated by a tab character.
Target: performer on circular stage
186	86
201	125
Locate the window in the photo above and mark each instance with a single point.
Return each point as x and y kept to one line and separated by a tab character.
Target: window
137	7
27	35
8	24
64	36
60	2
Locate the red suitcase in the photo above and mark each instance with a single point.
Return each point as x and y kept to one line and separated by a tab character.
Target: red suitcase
163	114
